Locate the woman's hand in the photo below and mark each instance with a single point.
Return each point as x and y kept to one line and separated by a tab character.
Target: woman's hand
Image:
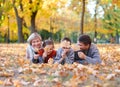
36	56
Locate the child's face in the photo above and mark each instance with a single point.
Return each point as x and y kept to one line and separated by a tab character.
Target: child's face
66	45
66	49
49	49
36	43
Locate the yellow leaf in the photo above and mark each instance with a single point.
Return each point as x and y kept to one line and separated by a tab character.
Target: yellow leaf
1	82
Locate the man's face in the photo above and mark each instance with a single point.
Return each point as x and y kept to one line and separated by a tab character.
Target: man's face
83	46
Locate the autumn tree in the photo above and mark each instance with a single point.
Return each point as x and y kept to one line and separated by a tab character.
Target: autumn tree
82	16
34	7
79	6
19	18
111	17
5	7
95	20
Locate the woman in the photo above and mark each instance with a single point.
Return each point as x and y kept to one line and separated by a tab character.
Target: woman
35	42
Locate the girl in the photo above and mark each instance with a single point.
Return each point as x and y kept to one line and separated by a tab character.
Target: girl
46	53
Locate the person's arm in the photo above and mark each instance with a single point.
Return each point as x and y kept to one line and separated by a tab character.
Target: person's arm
35	60
58	58
29	53
38	60
77	58
70	58
95	58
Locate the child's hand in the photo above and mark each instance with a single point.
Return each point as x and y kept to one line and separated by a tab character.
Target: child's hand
63	54
44	55
46	49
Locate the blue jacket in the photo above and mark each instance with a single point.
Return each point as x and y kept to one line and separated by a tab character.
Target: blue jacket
69	59
92	56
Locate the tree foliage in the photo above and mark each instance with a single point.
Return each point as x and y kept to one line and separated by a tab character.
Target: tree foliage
27	16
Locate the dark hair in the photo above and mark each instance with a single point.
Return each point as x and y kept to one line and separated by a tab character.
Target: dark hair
47	42
67	39
85	39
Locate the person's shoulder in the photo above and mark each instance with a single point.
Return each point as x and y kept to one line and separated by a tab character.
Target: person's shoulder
71	50
54	52
28	47
40	52
59	49
93	46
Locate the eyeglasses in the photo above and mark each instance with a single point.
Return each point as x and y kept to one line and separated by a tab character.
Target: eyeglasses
66	47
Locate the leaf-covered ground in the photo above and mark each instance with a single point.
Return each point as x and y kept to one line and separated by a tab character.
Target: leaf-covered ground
17	71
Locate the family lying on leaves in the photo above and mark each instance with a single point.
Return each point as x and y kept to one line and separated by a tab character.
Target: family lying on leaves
39	51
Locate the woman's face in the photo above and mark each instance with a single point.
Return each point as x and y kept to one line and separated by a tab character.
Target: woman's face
36	42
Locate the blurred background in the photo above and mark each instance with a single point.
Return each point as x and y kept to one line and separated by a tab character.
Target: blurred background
59	18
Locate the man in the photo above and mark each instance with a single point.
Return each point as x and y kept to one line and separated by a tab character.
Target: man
88	53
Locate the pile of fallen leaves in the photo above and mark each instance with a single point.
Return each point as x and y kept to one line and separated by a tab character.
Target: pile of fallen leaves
17	71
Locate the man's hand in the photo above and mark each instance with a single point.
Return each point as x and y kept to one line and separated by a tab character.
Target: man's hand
81	55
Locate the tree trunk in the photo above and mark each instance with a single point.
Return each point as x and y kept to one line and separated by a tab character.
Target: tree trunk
32	20
82	17
95	22
117	37
51	28
19	23
32	27
20	34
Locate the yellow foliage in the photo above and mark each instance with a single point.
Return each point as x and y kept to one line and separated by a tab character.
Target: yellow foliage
104	1
104	31
116	2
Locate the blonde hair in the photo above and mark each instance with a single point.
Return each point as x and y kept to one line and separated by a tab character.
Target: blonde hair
33	36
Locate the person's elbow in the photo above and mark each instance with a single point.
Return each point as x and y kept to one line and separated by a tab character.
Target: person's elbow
99	61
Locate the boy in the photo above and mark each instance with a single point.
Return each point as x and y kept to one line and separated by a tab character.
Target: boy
65	54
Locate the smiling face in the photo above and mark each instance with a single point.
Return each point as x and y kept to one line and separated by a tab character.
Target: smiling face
36	42
82	46
49	49
65	45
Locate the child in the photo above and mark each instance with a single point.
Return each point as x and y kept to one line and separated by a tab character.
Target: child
65	54
46	53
